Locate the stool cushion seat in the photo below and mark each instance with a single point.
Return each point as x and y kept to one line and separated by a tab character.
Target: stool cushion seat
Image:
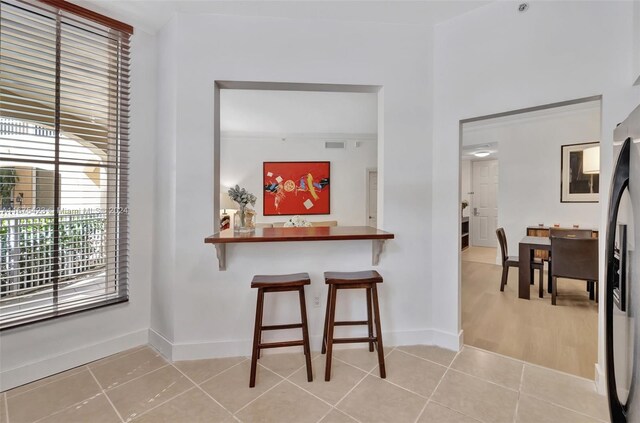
280	281
365	276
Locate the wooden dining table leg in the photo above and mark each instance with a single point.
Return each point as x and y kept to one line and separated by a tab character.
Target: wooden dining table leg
524	271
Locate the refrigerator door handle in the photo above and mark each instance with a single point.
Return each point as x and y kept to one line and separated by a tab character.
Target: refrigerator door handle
620	274
619	183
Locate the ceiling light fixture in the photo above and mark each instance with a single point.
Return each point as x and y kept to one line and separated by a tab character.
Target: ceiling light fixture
481	153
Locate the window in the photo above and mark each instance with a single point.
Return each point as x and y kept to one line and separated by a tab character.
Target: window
64	106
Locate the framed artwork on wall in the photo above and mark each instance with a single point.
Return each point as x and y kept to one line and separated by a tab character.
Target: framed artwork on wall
578	185
291	188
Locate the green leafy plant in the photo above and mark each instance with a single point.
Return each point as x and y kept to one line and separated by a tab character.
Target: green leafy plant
242	196
8	179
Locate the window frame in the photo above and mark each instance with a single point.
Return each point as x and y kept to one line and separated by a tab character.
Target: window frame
61	11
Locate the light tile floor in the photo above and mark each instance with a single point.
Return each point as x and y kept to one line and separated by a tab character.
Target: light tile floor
424	384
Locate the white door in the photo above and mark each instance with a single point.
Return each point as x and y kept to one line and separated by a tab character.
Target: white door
372	198
484	204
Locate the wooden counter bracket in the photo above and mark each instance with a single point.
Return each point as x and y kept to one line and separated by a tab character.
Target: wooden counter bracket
335	233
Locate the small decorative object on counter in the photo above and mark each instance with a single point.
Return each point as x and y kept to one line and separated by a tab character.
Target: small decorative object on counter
225	222
297	222
245	218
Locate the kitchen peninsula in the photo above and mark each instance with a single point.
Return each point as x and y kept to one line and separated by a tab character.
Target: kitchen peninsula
317	233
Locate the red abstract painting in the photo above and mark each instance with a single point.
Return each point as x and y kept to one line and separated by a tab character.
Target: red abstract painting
296	188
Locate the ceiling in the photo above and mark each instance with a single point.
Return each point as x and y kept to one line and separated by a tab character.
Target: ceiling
484	134
151	15
260	113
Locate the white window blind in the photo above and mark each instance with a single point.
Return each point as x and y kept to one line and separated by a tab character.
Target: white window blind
64	151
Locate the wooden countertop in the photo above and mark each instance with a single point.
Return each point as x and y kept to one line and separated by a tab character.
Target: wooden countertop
314	233
559	227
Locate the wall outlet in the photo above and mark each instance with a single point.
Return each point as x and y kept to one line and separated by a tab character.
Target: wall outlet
316	300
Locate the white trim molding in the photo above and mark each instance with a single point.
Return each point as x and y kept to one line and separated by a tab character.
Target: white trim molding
242	347
37	370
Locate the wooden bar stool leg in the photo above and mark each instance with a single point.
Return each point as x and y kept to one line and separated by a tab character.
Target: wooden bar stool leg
305	334
257	336
326	322
369	318
376	311
332	316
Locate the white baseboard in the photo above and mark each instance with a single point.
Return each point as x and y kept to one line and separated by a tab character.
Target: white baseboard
192	351
447	340
600	380
37	370
161	344
235	348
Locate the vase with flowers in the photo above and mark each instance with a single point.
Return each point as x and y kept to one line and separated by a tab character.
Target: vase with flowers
464	205
244	219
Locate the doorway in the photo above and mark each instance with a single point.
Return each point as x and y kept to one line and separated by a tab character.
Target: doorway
484	204
526	176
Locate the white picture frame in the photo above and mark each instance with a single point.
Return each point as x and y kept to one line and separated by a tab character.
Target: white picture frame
575	186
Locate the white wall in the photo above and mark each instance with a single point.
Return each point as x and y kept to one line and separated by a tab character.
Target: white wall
241	163
495	59
38	350
529	161
213	311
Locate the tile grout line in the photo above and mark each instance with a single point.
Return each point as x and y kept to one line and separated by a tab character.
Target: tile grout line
86	365
449	368
426	359
473	347
202	390
159	405
44	384
331	407
357	384
563	407
121	354
424	407
259	396
109	388
268	390
67	407
456	411
359	368
515	415
105	394
580	378
217	374
485	380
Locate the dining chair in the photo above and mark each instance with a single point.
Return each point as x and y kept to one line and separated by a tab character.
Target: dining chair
567	233
514	261
574	258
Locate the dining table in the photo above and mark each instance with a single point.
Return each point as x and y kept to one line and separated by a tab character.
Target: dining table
526	250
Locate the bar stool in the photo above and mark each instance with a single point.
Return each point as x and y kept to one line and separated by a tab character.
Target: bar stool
279	283
368	280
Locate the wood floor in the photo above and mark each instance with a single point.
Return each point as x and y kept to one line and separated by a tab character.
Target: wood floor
562	337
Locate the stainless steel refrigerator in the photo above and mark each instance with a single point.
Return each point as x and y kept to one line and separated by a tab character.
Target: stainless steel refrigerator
622	306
